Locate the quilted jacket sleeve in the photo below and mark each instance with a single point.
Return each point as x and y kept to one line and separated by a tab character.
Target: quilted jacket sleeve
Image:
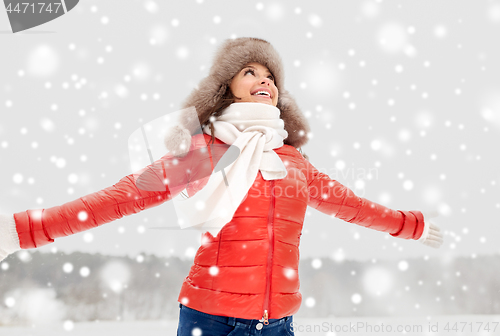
332	198
141	190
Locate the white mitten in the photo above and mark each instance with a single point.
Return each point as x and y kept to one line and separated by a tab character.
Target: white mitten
9	240
432	235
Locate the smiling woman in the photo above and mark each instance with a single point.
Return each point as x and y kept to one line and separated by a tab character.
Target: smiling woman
244	279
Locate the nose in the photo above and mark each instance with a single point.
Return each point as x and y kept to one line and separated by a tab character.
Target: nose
265	80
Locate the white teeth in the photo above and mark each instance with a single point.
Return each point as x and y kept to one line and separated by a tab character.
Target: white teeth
262	93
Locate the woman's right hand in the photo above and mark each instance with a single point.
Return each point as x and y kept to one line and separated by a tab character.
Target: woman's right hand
9	241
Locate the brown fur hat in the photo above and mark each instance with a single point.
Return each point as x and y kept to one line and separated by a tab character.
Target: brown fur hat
230	58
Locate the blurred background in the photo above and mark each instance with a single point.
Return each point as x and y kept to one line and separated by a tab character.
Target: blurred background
403	100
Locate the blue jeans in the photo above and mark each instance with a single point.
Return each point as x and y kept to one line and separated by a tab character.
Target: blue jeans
215	325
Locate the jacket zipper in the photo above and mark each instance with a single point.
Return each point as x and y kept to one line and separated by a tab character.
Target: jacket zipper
220	233
270	234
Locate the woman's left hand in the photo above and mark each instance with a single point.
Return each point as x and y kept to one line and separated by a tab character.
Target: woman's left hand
432	235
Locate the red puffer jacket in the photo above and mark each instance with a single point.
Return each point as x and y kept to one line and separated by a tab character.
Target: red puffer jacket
250	269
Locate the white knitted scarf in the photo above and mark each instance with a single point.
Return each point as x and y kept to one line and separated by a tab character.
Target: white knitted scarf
256	129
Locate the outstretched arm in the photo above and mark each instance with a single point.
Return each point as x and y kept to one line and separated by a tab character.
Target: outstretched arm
331	197
151	186
39	227
35	228
141	190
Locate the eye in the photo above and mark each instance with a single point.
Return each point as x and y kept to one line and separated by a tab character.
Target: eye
271	77
249	70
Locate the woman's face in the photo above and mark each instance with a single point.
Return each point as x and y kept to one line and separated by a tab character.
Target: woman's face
254	84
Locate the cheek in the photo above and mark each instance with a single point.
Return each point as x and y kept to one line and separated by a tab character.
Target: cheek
233	86
239	86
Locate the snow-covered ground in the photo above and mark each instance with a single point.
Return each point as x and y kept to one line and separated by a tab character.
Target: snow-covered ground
452	325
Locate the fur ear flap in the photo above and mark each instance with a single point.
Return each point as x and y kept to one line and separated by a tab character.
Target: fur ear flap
295	122
178	141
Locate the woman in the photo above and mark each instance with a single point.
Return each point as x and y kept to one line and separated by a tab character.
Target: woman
244	279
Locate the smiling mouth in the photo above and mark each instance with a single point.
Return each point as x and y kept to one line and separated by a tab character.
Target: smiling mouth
263	94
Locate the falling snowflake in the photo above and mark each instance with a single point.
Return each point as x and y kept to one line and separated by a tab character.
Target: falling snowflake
403	265
68	325
84	271
213	270
392	37
316	263
356	298
43	61
377	280
310	302
10	302
82	216
68	267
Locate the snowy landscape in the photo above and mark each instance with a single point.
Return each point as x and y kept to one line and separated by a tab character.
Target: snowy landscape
82	292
